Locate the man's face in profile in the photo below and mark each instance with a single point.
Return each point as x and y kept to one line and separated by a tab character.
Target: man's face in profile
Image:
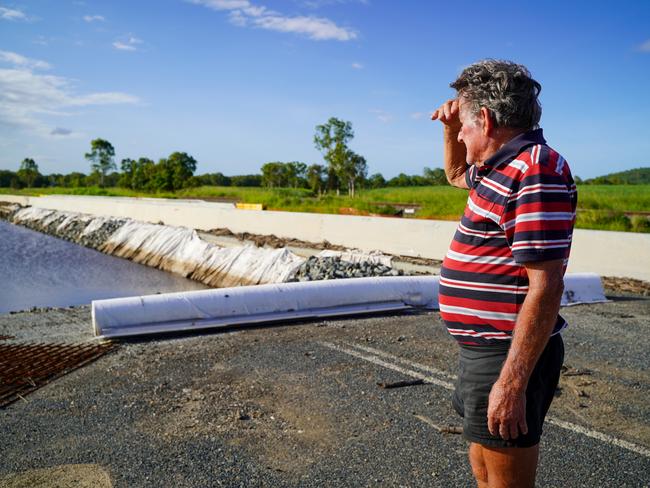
471	133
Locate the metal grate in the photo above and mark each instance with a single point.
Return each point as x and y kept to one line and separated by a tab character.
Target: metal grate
25	367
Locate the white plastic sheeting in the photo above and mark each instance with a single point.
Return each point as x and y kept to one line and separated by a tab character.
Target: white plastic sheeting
188	311
176	249
582	288
45	217
181	250
36	214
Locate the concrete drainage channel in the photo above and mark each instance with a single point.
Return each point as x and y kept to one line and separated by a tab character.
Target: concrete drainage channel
216	261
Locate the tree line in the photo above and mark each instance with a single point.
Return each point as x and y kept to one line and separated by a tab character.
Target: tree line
343	169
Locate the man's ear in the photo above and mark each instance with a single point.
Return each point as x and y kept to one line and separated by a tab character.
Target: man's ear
486	122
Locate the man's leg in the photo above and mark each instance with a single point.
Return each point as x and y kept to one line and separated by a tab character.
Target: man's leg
504	467
478	465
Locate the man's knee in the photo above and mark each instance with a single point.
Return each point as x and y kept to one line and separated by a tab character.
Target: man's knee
510	467
478	464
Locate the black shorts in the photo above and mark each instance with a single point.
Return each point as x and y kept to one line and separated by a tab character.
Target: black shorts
479	368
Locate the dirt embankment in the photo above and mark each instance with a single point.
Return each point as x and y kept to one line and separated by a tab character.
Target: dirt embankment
278	242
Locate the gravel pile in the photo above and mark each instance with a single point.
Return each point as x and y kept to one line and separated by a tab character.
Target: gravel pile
332	268
98	238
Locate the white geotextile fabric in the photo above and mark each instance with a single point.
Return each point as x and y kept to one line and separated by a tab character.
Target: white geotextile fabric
195	310
256	304
356	256
32	213
181	250
92	223
582	288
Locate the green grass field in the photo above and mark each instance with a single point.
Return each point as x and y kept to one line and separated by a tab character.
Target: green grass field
605	207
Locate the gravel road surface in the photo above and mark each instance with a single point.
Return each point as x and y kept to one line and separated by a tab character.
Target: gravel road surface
299	405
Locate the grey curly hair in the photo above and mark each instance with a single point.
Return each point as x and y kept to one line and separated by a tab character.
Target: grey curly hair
505	88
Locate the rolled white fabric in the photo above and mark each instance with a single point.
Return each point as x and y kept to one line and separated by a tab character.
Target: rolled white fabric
196	310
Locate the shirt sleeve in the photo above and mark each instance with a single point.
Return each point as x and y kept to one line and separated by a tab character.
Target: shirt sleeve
470	175
539	216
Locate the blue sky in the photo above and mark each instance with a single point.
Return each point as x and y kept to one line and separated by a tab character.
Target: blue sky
237	83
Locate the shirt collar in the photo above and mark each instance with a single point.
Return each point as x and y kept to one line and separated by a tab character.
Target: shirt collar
513	147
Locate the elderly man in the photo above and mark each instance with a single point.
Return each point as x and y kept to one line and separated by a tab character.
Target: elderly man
501	282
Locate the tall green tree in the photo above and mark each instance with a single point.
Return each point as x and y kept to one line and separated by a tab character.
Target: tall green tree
331	139
296	172
435	176
101	158
7	178
74	179
377	180
172	173
127	166
182	167
246	180
275	174
316	178
353	171
28	172
143	170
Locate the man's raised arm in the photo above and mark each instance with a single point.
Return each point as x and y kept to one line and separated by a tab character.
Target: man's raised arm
455	152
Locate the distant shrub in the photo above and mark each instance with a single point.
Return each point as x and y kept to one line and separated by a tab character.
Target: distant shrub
603	219
640	223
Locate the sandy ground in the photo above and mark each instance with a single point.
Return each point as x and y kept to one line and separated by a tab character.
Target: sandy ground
300	405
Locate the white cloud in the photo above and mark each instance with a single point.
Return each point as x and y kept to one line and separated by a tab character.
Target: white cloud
357	65
129	44
382	115
319	29
244	13
237	18
22	61
417	115
27	97
256	11
11	14
222	4
123	47
106	98
645	47
94	18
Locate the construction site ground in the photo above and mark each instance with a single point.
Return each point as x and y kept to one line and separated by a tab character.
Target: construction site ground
310	404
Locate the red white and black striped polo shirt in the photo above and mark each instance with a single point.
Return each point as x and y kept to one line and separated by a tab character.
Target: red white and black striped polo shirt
521	208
